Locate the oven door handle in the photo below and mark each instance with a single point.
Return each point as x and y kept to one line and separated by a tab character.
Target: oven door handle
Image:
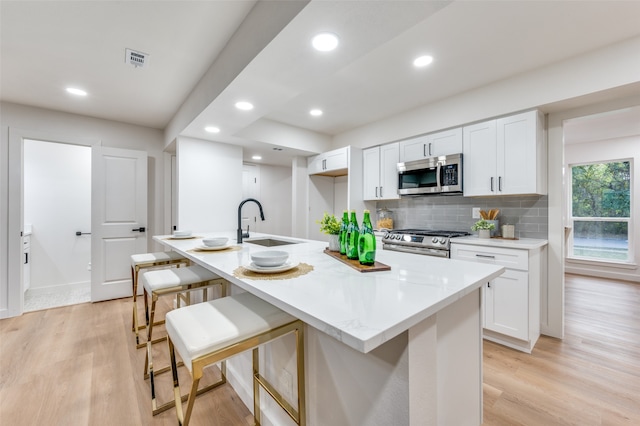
438	180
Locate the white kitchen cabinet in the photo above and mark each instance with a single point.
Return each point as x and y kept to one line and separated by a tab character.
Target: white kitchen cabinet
512	301
331	163
505	156
433	145
380	172
334	190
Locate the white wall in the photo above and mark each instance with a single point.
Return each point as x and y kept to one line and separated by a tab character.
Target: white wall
610	150
209	185
43	124
57	202
275	197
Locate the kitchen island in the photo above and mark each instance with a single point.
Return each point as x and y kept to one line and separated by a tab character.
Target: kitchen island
399	347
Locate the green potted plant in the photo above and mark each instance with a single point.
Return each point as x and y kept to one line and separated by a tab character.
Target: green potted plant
484	228
330	225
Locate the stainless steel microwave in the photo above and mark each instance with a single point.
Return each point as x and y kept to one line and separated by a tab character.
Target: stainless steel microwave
435	175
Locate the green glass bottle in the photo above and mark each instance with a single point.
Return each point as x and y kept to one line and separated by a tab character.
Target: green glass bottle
366	242
352	237
343	232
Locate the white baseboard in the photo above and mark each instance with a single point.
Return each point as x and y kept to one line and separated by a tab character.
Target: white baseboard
59	288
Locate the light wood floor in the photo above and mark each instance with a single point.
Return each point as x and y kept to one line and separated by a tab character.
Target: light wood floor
591	377
67	366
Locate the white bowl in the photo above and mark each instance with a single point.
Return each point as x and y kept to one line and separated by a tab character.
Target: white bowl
181	233
215	241
270	258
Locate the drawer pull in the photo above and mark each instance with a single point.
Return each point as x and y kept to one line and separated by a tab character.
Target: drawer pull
486	256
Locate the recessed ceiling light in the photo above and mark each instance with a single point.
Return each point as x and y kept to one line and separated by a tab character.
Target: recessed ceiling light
212	129
244	105
422	61
256	157
325	42
316	112
75	91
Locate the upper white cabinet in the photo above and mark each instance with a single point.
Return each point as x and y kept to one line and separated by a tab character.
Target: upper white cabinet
433	145
331	163
380	172
505	156
333	188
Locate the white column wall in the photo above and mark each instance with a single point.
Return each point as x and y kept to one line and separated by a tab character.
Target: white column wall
209	185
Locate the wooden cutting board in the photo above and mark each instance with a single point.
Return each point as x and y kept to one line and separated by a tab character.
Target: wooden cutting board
355	264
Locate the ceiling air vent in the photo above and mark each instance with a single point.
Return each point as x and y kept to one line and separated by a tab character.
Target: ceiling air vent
135	58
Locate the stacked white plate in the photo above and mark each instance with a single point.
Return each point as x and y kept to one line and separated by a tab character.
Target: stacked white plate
270	262
181	234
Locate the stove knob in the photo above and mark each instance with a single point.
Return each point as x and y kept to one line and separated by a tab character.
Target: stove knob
434	240
442	240
386	235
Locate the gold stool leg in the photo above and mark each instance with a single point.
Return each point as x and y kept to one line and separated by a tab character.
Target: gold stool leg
256	387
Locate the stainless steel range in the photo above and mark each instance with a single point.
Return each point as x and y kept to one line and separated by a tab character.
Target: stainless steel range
420	241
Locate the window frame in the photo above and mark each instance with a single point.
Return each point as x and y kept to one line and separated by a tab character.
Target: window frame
629	220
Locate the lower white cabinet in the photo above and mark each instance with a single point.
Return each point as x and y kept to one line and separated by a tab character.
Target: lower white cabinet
511	302
506	304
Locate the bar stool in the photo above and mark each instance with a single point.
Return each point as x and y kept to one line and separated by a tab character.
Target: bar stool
211	332
147	261
165	282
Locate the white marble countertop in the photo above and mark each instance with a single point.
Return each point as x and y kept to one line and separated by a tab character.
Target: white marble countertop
522	243
362	310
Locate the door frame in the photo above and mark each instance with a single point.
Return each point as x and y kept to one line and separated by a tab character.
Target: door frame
15	294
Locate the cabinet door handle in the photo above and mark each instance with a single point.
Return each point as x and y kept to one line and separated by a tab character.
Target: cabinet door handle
430	149
380	192
324	164
485	256
26	258
500	183
489	284
491	183
376	192
424	149
141	229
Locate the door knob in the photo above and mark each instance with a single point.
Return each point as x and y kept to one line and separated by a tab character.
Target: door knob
141	229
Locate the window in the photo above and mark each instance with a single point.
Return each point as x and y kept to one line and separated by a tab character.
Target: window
601	211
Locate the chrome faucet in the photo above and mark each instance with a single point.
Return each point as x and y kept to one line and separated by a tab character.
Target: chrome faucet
241	234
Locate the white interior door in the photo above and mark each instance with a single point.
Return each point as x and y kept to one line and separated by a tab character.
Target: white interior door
118	219
250	189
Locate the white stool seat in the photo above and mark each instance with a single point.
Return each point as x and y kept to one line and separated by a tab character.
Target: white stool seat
154	281
209	333
145	261
204	328
153	258
166	282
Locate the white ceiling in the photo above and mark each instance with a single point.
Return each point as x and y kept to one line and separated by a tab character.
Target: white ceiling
48	45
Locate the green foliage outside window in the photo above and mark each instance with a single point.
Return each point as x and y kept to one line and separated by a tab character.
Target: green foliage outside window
602	190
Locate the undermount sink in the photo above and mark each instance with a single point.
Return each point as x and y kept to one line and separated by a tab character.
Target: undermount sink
270	242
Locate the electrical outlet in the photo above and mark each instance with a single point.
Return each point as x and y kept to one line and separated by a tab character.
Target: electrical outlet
475	213
286	384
